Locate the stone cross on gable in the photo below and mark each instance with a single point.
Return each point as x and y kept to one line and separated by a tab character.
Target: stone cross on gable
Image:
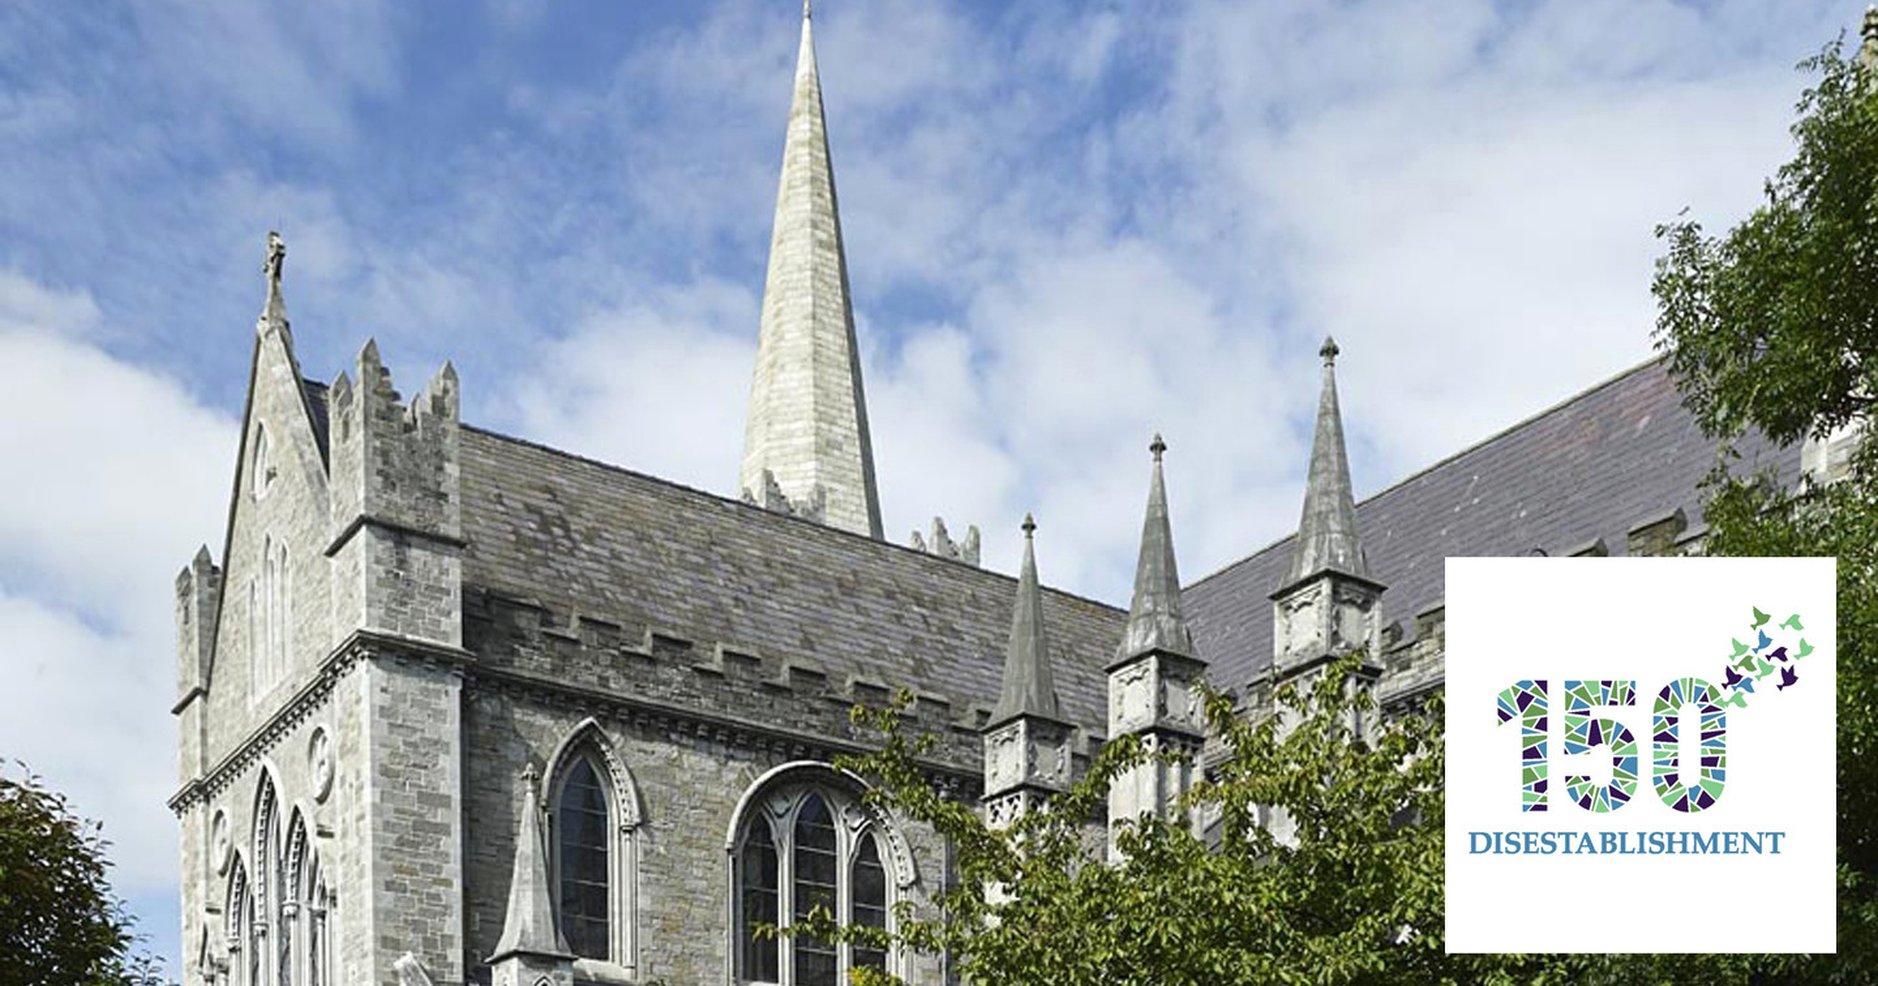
276	258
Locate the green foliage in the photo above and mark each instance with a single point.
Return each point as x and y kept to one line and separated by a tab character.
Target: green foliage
1346	889
1774	326
59	923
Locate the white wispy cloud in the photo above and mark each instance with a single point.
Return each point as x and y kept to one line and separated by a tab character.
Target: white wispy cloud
1069	225
116	475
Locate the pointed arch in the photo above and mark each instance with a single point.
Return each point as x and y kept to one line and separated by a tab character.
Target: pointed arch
587	735
263	472
316	901
901	867
290	944
259	962
594	828
235	898
801	837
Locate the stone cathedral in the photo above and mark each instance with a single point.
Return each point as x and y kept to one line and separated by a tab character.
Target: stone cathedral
455	707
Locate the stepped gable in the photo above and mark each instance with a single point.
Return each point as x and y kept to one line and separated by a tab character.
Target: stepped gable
580	538
1621	454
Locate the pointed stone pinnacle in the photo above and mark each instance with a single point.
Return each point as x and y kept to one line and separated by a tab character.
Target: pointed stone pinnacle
1327	539
1028	688
529	927
1155	622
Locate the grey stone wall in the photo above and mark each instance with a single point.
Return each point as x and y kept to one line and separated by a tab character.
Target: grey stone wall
686	777
413	837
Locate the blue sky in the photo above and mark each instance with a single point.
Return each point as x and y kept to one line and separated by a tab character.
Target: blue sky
1069	224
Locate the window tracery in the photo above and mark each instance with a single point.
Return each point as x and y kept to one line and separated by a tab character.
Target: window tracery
804	842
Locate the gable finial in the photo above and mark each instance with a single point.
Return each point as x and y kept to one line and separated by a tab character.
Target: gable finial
1329	351
274	313
1029	526
276	258
805	10
1157	446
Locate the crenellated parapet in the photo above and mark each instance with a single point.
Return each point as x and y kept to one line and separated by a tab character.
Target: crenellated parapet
942	545
396	509
812	505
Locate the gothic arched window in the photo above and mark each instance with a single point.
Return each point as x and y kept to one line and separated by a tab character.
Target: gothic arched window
287	892
593	818
238	918
265	897
867	901
268	616
318	909
583	852
805	842
760	897
263	462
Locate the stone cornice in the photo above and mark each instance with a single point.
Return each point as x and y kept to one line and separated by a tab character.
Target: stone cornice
362	520
715	725
360	645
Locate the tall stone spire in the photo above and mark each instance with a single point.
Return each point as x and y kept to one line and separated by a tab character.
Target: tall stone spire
1027	689
806	444
1327	531
1154	617
1154	681
531	944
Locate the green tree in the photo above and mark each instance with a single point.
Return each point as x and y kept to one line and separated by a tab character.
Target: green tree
1774	326
1353	894
59	922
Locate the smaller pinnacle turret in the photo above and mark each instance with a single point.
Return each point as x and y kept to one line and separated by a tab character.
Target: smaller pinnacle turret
529	927
1327	538
1028	689
1155	622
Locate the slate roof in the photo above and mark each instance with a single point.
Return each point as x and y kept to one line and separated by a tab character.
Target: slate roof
1619	455
582	538
316	408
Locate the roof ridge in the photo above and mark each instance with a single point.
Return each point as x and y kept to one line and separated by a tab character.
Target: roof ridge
757	510
1524	422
